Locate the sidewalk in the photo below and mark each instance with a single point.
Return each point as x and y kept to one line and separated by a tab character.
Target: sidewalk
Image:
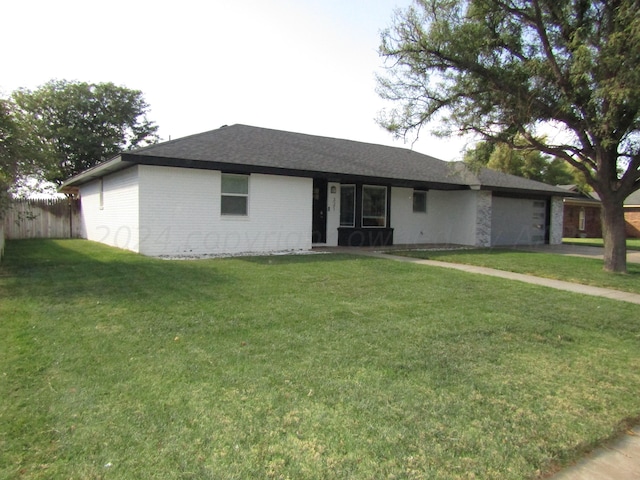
633	256
619	460
546	282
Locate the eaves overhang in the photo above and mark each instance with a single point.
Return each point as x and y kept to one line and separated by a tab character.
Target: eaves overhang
330	176
528	193
113	165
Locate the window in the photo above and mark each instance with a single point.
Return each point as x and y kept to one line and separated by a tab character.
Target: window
347	205
419	201
235	195
374	206
101	193
582	220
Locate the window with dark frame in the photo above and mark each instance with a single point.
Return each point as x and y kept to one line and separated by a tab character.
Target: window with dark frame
374	206
347	205
419	201
234	200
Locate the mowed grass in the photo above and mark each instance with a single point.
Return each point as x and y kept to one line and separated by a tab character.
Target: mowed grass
116	366
586	271
632	243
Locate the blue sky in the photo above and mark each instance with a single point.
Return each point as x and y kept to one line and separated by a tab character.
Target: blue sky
305	66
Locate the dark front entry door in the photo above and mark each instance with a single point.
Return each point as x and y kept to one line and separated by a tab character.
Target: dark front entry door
319	233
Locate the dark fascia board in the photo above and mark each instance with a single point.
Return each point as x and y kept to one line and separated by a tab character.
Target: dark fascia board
100	170
528	194
248	169
519	193
125	160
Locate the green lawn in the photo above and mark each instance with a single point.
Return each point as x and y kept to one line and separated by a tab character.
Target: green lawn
116	366
632	243
586	271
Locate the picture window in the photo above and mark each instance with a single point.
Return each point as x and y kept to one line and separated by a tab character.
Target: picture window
374	206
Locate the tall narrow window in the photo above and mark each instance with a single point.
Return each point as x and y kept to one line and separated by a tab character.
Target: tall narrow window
582	220
347	205
235	195
374	206
101	193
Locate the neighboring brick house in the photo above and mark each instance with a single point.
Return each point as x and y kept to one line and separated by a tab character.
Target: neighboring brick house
582	215
632	214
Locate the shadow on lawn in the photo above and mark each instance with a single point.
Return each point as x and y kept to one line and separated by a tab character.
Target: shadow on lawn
68	269
306	258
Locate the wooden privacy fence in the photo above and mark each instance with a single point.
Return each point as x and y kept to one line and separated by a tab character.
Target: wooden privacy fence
42	218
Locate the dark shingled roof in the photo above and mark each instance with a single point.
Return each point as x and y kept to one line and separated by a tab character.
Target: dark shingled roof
242	148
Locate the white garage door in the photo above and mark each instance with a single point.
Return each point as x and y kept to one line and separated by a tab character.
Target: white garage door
518	221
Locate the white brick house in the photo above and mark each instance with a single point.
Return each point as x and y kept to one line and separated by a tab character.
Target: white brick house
246	189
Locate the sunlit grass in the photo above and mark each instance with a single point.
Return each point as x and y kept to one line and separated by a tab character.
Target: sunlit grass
322	366
586	271
632	243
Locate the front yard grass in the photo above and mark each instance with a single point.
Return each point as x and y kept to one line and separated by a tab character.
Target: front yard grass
117	366
632	243
586	271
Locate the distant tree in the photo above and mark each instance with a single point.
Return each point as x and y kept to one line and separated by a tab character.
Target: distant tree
20	153
523	162
504	68
478	156
82	124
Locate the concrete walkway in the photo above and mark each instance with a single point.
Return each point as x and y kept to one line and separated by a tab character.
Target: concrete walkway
546	282
619	460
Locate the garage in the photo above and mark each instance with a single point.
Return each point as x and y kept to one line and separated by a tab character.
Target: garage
518	221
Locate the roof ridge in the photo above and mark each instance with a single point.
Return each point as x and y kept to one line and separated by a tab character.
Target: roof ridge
174	140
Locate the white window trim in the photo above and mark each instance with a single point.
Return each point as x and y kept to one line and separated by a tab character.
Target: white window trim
582	219
246	195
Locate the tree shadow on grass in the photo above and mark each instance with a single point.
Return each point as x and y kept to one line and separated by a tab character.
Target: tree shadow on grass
65	270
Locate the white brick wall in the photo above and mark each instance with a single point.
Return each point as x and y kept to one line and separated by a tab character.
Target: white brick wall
116	221
180	214
408	227
450	217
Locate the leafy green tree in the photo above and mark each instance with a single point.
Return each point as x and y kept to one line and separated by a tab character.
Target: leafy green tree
21	154
82	124
523	162
505	68
477	157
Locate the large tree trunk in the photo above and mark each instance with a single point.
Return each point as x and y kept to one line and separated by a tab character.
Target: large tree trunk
613	231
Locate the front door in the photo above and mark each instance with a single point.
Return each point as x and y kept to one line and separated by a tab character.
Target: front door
319	232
